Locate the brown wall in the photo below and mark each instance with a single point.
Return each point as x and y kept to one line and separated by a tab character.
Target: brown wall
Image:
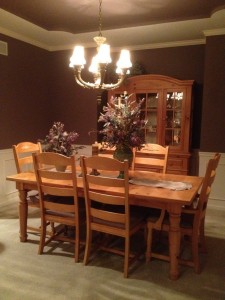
24	93
37	88
213	113
72	105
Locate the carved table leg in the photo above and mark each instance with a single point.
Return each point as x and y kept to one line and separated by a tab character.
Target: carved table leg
23	215
174	240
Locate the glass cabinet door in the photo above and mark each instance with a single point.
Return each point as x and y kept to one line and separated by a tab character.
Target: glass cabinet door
149	112
173	130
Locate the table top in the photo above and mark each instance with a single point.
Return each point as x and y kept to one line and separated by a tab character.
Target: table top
137	192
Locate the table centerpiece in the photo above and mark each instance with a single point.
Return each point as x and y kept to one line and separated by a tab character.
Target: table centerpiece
60	141
123	126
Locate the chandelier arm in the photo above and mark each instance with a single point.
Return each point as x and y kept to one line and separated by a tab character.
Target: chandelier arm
80	81
112	86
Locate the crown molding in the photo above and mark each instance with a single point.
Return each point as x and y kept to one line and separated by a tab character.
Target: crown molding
115	49
211	32
23	38
173	34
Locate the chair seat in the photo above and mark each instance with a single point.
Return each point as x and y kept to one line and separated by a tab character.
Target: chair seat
186	219
33	199
67	201
153	216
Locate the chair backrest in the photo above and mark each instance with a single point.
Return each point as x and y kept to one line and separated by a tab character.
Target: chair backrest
51	182
152	157
207	184
23	155
106	206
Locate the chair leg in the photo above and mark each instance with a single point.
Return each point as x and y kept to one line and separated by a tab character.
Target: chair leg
149	244
202	237
195	253
42	237
52	228
88	246
126	256
77	244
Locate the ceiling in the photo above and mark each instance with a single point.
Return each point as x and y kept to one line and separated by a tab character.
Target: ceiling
136	24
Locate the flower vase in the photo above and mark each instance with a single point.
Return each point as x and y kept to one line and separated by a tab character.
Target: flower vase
121	153
60	168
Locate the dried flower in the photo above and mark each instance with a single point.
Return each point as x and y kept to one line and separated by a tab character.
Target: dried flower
123	123
60	141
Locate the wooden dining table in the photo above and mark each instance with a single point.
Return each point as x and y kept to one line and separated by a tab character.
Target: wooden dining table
139	195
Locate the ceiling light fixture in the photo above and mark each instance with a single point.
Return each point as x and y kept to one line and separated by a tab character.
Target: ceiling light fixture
99	62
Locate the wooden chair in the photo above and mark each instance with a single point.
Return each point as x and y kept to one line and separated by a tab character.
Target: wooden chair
24	163
106	212
152	157
59	204
192	221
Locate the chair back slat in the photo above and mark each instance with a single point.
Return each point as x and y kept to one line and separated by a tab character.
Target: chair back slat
54	174
105	163
108	216
152	157
107	199
62	208
106	181
56	191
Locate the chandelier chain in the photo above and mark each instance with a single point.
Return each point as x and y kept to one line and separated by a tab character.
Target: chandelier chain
100	18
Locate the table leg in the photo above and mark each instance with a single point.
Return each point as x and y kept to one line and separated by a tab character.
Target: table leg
174	240
23	215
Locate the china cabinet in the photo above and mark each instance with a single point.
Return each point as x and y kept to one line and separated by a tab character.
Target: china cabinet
167	107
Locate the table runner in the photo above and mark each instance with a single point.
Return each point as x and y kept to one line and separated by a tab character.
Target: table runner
172	185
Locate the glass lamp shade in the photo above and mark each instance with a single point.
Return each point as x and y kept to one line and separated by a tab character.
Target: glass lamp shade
94	65
77	59
103	55
124	61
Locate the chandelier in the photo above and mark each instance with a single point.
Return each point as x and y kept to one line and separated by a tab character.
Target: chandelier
99	63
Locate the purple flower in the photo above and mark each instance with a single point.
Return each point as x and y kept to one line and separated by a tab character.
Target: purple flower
123	124
60	141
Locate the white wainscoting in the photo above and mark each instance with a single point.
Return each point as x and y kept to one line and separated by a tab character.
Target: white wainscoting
7	167
217	196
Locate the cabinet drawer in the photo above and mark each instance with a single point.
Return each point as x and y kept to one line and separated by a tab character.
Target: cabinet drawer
178	165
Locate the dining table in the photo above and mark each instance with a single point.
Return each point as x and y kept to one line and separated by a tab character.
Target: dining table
140	194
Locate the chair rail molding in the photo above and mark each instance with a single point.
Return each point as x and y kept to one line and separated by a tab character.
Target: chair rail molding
217	196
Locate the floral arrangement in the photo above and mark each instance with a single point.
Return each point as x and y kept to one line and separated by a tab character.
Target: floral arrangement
60	141
123	125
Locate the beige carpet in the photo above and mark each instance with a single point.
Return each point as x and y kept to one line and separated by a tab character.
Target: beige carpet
24	275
